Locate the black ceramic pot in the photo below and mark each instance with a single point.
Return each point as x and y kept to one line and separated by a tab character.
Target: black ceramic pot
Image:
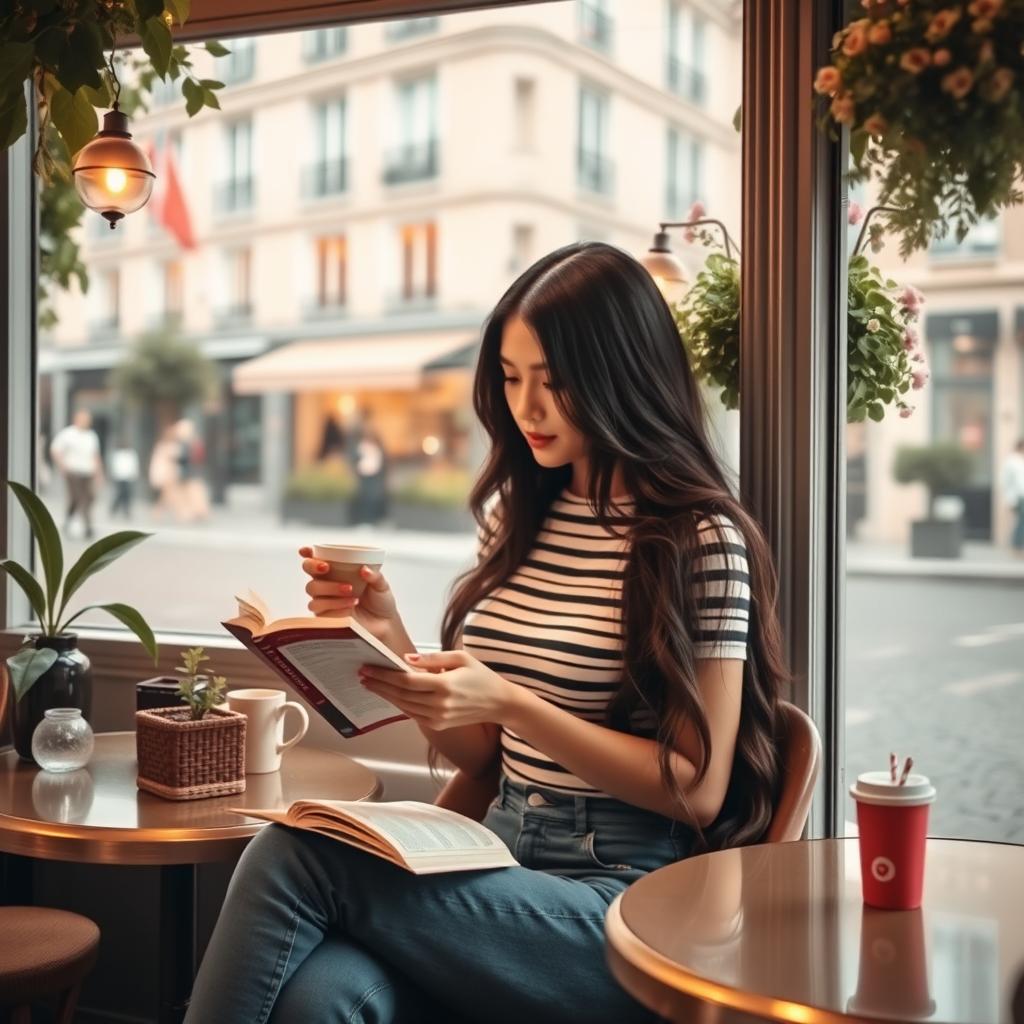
67	683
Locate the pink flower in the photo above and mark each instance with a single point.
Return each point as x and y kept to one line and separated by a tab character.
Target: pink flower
916	60
697	211
876	125
856	41
958	83
918	379
879	33
842	108
984	8
689	235
941	24
918	356
855	213
940	58
906	411
911	299
828	81
998	84
910	339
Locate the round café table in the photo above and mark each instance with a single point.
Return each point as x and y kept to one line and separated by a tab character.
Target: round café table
97	815
779	932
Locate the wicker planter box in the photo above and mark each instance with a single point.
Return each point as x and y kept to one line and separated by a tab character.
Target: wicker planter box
184	760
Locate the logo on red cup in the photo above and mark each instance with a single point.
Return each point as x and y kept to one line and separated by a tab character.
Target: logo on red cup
883	869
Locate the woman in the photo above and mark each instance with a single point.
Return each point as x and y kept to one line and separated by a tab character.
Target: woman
615	647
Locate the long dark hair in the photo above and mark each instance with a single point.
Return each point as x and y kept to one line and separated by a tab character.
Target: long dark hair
621	377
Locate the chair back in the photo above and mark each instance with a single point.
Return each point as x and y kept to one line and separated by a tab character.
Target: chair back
801	763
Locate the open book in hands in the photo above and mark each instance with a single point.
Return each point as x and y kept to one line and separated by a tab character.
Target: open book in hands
421	838
320	657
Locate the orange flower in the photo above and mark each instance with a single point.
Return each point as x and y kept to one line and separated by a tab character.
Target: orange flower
984	8
981	26
856	41
986	52
843	109
828	81
940	58
876	125
998	84
958	83
941	24
879	33
916	60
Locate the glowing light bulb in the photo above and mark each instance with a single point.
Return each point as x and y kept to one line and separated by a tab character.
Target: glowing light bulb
116	180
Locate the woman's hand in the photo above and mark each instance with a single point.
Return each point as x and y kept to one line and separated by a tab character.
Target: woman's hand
375	609
446	690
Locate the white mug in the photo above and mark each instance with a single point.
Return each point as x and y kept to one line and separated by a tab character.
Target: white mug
264	731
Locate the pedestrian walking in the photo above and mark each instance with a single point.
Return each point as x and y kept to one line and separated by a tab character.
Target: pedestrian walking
164	474
76	454
371	468
1013	488
124	472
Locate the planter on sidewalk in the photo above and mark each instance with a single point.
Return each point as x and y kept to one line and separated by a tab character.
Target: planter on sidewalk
336	512
936	538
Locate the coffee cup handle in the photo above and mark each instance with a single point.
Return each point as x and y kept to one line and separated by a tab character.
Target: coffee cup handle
302	731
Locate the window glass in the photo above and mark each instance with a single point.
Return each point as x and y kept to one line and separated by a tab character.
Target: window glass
313	271
935	587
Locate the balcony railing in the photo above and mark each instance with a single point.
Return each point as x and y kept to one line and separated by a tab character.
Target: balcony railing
594	172
409	27
415	301
234	195
235	313
415	162
325	178
328	309
686	81
595	27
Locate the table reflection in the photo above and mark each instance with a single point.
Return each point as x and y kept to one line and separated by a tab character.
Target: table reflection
65	797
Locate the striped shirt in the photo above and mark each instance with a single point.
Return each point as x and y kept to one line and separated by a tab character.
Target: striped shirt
555	626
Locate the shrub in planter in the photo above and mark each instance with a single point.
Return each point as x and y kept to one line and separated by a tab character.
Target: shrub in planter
943	468
319	493
196	750
435	499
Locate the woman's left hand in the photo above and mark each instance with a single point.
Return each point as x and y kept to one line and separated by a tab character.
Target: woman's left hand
444	690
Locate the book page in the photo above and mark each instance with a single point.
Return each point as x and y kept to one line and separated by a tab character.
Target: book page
417	829
332	664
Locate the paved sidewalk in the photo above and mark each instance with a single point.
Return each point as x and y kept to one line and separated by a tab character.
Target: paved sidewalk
979	561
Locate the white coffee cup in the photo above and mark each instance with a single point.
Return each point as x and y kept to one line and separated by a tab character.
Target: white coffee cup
345	560
264	730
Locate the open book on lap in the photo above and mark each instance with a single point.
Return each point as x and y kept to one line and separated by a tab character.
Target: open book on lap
419	837
320	658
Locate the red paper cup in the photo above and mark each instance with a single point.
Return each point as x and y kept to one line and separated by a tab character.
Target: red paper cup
893	825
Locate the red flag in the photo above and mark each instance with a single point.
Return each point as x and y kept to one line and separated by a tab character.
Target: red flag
167	205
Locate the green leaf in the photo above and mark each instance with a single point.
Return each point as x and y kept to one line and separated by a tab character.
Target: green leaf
74	117
13	121
211	83
98	97
44	529
210	99
98	556
157	42
81	58
858	144
27	666
131	618
194	95
180	9
147	9
876	411
737	119
217	49
15	65
29	585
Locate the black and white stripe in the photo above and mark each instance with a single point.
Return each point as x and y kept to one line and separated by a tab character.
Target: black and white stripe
555	626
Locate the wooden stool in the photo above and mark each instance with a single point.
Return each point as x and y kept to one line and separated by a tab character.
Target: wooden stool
44	952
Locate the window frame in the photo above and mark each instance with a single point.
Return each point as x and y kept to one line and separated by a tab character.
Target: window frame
792	400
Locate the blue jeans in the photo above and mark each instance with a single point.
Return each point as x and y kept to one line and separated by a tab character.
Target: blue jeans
314	931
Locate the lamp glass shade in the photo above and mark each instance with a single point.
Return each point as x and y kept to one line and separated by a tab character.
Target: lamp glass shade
668	273
113	175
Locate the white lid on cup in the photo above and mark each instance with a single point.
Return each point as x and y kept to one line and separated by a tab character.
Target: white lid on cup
349	554
878	788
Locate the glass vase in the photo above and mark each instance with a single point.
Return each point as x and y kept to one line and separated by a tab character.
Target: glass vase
63	740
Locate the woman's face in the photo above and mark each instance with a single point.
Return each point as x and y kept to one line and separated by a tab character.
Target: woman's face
555	441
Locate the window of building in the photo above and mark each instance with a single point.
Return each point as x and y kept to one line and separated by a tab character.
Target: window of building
981	242
409	28
331	272
413	155
237	263
324	43
418	255
687	52
235	193
104	297
328	174
684	172
240	64
593	166
522	247
525	113
167	301
595	24
164	91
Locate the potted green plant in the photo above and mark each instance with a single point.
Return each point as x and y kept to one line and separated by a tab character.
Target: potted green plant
50	671
943	468
320	494
196	750
435	499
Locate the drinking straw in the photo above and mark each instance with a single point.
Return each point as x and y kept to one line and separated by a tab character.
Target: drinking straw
907	765
892	767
